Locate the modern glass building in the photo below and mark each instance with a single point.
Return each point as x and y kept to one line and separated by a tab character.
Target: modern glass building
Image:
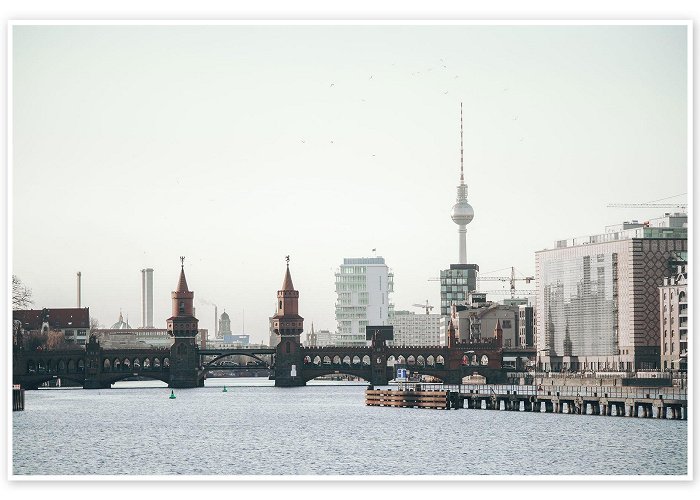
455	284
597	297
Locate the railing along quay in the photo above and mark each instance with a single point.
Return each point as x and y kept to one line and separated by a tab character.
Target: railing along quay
644	402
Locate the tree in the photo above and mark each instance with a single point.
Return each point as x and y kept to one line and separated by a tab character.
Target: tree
21	294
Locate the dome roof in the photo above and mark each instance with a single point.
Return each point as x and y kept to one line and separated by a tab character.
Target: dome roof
121	324
462	213
224	315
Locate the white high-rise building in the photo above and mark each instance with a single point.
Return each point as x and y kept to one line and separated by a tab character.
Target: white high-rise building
362	286
415	329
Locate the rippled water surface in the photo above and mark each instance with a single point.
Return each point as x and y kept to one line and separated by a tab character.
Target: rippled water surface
257	429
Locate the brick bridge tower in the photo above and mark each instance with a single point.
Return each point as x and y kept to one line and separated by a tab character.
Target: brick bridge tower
288	326
183	326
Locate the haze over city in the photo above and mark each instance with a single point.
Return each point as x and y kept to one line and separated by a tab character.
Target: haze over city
238	145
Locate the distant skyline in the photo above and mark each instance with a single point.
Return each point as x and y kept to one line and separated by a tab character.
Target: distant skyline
238	145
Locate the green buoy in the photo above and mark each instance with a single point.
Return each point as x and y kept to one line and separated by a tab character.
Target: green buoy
225	389
172	394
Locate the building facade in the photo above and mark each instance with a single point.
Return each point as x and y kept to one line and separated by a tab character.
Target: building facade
597	297
415	329
362	287
73	323
480	319
526	326
673	319
224	325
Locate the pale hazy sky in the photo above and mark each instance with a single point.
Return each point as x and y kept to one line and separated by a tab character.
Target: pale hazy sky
237	145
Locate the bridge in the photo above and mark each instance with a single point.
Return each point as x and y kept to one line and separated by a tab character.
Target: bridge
95	367
185	365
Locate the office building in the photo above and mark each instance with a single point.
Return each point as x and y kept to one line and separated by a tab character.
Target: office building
415	329
598	296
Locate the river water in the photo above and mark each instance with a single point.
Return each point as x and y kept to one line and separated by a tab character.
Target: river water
256	429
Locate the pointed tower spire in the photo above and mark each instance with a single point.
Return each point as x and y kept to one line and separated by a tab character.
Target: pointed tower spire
182	282
287	283
498	333
287	320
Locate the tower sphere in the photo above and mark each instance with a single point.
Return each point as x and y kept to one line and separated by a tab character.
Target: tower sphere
462	213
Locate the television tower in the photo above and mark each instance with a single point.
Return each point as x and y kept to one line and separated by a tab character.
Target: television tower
462	212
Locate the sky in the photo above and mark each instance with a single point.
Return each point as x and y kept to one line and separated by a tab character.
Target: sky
237	145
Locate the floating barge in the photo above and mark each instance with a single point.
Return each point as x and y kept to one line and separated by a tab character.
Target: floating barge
412	398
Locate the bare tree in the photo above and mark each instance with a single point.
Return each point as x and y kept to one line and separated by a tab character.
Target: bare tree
21	294
94	323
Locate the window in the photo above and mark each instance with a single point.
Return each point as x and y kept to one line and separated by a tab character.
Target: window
506	324
181	307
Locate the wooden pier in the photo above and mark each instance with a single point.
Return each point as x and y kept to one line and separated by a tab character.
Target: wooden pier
435	399
643	402
17	398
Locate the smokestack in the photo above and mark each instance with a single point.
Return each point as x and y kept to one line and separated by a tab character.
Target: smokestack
216	322
143	298
78	289
147	298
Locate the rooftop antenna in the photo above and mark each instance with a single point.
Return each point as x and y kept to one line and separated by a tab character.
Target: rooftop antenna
461	146
182	262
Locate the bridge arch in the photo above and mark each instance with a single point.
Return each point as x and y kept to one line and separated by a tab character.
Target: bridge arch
342	370
356	360
420	360
106	365
366	360
391	360
336	360
411	360
226	355
430	361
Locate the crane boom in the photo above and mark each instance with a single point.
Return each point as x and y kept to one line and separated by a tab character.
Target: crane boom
682	206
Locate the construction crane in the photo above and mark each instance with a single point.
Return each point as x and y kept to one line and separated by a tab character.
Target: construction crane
512	279
653	204
425	306
682	206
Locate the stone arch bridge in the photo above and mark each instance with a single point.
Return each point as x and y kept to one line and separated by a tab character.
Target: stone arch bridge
95	367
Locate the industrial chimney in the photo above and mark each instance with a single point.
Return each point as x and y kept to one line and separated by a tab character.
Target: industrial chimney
78	289
216	322
147	298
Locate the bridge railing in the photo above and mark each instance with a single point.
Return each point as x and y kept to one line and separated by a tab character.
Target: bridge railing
571	391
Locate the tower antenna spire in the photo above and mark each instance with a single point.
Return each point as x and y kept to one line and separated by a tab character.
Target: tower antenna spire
461	146
182	262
